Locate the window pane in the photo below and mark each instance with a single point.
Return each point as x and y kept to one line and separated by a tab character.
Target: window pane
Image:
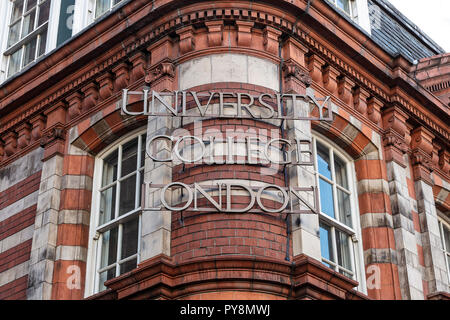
14	31
17	10
341	172
44	11
143	153
127	195
30	52
345	211
116	2
42	43
107	205
110	168
343	250
129	157
101	7
28	23
446	238
323	161
130	238
326	198
109	247
106	275
30	4
344	5
326	245
14	62
128	266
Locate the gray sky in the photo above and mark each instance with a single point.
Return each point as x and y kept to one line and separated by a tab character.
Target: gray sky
431	16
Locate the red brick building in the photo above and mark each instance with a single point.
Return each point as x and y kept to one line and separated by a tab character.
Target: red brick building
88	208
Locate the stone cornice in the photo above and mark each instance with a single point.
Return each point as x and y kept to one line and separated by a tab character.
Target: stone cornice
259	14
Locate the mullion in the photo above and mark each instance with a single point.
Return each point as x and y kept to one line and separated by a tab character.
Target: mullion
119	249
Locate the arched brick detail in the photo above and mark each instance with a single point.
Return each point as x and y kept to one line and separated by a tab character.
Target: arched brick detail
373	201
100	130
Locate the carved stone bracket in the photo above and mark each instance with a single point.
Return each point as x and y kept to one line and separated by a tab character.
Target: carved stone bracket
271	43
422	152
187	39
293	70
374	109
360	97
37	125
10	139
75	104
315	64
345	87
90	92
122	76
139	64
244	33
163	69
394	138
330	81
106	86
56	133
24	135
444	161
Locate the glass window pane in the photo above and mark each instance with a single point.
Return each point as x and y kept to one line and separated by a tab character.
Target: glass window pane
128	266
129	157
14	31
341	172
106	275
345	211
343	250
130	238
143	153
116	2
326	245
110	168
14	62
30	4
326	198
323	161
344	5
127	195
109	247
42	43
17	10
101	7
30	52
28	23
107	205
44	11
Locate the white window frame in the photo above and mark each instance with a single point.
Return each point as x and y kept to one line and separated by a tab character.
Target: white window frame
359	13
446	251
52	33
355	243
95	237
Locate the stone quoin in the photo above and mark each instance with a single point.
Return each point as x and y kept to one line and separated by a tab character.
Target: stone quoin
218	149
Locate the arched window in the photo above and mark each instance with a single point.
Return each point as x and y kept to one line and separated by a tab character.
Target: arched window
116	211
338	217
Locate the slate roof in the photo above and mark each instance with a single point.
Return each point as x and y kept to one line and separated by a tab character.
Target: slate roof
397	34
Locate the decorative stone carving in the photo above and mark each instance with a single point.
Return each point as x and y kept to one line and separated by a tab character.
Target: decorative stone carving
215	33
444	161
271	43
38	125
10	139
345	87
244	36
360	97
315	64
374	109
56	133
165	68
24	135
330	75
139	63
122	76
105	85
394	138
422	149
75	104
291	69
187	40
